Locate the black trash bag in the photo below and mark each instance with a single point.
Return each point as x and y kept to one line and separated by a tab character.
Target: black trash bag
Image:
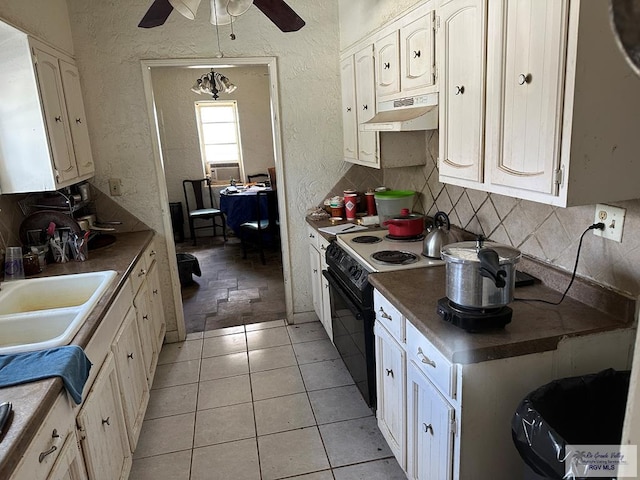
187	266
584	410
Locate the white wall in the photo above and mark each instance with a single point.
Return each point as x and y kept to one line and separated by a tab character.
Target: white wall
109	47
48	20
178	127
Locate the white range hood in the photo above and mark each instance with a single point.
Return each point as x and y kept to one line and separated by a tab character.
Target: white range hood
405	114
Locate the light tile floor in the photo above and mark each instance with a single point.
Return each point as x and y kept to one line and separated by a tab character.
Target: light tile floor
263	401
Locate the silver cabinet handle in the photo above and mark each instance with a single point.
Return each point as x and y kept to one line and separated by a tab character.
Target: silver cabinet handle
427	428
389	372
522	78
459	89
384	314
43	455
426	359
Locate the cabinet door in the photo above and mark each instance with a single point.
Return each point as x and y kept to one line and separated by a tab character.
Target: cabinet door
417	50
145	329
53	104
157	310
429	429
69	465
103	435
388	65
132	378
462	41
349	115
366	106
528	133
77	118
390	373
316	275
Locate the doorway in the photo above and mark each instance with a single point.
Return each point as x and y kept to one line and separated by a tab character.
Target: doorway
178	157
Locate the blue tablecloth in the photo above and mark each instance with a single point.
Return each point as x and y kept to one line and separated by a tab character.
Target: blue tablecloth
241	207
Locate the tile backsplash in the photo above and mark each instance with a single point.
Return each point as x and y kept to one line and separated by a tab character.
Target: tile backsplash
548	233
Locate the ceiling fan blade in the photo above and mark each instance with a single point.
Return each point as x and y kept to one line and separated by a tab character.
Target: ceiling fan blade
157	14
281	14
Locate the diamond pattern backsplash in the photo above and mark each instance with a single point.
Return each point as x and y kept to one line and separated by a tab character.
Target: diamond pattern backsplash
550	234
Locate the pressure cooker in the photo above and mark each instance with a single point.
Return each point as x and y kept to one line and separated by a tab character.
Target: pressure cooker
480	274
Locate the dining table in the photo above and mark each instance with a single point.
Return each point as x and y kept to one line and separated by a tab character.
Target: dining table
239	205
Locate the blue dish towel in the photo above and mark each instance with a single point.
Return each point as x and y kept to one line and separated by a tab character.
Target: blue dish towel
68	362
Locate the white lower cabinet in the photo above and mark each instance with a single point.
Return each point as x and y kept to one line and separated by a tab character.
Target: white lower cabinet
102	428
430	429
319	284
132	378
69	465
390	390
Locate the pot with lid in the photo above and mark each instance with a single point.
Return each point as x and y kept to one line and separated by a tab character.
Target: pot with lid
405	225
480	275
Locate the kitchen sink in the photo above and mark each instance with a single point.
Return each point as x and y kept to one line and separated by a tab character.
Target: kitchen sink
47	312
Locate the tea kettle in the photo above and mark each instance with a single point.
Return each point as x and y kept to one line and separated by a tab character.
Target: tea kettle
438	236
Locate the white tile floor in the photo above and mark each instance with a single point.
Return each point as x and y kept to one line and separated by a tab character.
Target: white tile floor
263	401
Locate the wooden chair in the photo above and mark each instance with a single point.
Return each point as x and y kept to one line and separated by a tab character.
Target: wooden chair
266	228
202	212
258	177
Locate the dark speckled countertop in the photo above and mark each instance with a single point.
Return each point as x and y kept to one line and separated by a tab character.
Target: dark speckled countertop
535	327
32	401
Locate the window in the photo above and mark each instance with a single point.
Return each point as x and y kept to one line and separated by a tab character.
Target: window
219	133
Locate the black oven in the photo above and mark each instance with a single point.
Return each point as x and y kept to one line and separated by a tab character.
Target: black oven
352	319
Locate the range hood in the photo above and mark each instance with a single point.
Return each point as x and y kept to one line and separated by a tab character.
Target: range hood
405	114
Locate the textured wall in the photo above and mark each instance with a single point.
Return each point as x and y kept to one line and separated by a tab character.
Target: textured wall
178	127
109	47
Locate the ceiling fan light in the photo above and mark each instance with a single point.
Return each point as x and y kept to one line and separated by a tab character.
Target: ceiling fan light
238	7
186	8
219	14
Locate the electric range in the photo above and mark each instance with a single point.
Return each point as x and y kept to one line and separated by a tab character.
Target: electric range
350	260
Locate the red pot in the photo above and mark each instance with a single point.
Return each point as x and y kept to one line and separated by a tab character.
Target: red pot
406	224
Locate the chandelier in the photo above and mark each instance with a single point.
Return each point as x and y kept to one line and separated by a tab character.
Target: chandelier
213	83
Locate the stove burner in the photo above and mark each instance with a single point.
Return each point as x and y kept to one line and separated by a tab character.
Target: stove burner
394	257
366	239
473	319
412	238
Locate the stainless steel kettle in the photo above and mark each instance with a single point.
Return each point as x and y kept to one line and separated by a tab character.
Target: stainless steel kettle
439	235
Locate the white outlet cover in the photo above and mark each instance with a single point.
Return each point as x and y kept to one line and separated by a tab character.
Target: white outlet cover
613	219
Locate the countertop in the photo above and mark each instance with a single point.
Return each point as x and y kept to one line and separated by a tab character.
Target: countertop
535	327
32	401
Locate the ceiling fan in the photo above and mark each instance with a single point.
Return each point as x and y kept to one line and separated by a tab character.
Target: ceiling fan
223	12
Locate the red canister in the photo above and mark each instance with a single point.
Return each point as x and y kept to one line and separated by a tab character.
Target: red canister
371	203
350	204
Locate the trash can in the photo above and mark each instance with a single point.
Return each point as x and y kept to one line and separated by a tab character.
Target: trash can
584	410
177	221
187	266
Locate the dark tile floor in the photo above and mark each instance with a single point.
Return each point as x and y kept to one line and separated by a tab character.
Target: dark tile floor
231	291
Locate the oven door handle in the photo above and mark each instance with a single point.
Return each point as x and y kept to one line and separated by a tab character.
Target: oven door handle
336	284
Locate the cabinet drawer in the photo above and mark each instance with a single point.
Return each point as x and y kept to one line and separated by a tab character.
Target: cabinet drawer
430	361
313	236
46	446
138	274
389	316
150	254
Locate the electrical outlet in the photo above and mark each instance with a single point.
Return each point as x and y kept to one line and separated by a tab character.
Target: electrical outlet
115	187
613	219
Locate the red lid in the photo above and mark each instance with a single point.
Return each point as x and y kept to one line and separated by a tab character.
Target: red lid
404	212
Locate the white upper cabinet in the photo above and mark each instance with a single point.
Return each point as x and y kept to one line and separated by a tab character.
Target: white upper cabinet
349	116
368	151
46	146
417	53
526	149
561	104
461	50
388	64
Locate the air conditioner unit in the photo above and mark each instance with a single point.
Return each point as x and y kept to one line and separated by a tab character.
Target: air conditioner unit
224	171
